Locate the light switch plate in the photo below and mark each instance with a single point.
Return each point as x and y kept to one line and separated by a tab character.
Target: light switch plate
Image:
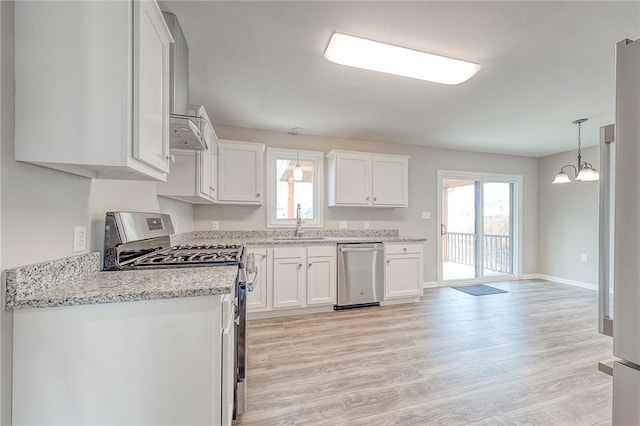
215	225
343	224
584	258
426	215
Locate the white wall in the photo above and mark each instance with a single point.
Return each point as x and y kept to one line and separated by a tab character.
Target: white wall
423	165
6	134
568	221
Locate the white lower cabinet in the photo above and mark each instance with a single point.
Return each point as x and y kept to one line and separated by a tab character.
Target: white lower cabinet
166	361
292	277
260	298
228	378
403	271
288	277
321	275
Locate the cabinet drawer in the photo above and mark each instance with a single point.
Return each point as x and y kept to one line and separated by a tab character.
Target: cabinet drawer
402	248
324	250
286	252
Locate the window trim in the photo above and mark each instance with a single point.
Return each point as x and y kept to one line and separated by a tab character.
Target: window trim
317	158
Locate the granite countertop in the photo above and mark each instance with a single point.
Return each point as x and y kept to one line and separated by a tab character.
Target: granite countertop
78	281
277	238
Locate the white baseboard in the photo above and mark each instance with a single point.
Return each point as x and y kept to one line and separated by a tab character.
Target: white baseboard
429	284
569	282
531	277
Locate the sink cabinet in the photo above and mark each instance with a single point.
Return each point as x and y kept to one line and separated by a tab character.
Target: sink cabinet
358	179
92	88
292	277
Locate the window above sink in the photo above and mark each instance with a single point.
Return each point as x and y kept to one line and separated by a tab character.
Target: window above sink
294	177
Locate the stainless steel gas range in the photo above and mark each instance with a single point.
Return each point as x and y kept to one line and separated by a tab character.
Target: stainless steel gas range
137	240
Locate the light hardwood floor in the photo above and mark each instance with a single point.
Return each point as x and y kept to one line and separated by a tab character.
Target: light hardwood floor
524	357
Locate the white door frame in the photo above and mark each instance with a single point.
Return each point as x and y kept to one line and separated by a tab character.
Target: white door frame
517	221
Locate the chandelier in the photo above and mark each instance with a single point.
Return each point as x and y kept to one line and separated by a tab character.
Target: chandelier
585	172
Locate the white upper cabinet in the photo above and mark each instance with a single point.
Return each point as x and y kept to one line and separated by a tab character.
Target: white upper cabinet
92	88
240	166
390	181
193	178
363	179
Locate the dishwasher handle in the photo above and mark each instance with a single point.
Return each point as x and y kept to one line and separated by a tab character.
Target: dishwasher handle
368	248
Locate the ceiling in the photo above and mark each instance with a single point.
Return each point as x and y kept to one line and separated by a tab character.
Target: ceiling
261	65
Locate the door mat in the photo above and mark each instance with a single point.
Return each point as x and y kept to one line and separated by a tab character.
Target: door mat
480	290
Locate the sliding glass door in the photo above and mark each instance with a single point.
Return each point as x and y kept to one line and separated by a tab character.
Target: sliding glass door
478	226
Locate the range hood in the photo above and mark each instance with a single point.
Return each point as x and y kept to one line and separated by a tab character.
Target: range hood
186	131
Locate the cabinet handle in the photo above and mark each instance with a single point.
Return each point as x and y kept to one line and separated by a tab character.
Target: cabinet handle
299	265
388	261
375	198
368	198
257	195
264	256
310	266
404	249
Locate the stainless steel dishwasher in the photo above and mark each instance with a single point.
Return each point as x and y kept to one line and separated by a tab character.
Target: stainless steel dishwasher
360	275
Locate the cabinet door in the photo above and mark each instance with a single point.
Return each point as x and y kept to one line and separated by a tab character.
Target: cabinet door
258	299
228	370
390	181
204	174
353	179
321	280
151	86
288	283
403	275
240	172
213	170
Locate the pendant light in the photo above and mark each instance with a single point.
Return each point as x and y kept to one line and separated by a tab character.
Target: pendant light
297	171
585	172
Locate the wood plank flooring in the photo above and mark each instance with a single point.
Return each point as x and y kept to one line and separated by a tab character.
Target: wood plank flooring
524	357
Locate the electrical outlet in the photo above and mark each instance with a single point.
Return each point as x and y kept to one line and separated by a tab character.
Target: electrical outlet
584	258
215	225
426	215
343	224
366	224
79	238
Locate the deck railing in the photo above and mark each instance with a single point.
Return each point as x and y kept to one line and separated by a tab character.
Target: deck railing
460	248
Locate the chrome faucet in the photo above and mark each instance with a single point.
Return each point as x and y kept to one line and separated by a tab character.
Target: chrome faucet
299	231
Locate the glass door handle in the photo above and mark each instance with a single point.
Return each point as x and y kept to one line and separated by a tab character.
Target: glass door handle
443	229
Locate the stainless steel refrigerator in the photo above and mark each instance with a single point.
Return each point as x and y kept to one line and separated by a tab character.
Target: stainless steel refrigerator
620	235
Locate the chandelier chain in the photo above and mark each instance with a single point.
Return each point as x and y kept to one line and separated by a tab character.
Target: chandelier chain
579	140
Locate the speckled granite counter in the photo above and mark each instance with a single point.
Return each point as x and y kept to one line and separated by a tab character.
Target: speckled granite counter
277	238
78	281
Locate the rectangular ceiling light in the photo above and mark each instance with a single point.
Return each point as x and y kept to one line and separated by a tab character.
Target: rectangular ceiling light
373	55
